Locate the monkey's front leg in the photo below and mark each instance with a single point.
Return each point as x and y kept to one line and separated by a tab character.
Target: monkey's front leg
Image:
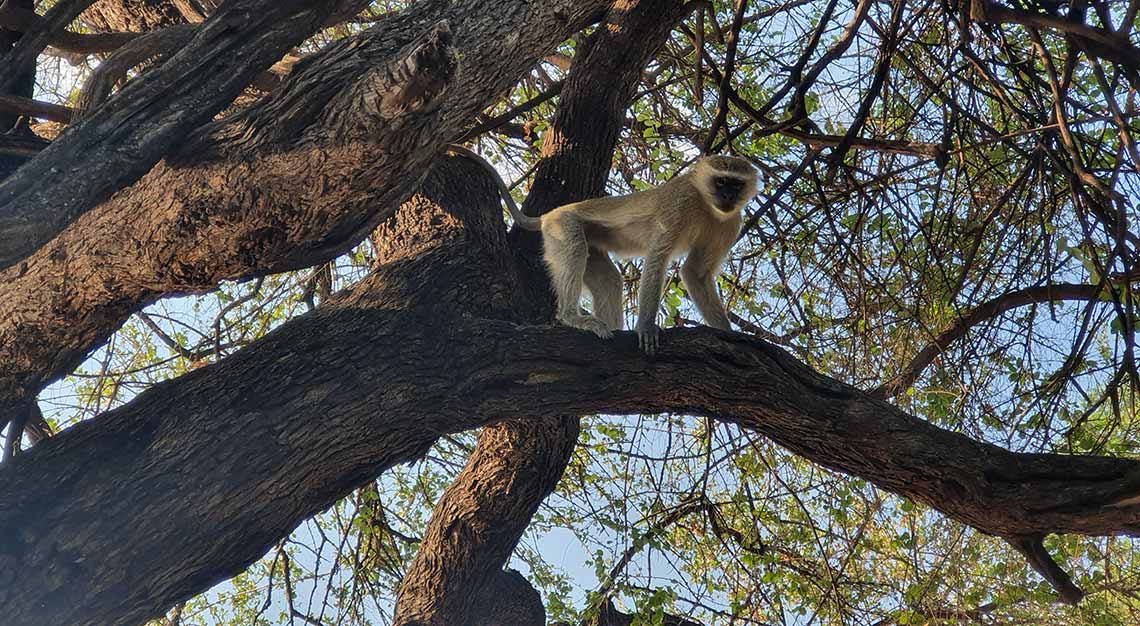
649	300
699	276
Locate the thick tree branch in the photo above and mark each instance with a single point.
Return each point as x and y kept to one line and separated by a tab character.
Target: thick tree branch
118	144
27	48
982	313
481	516
1033	549
22	20
479	519
21	145
145	15
287	184
241	436
155	44
198	477
506	598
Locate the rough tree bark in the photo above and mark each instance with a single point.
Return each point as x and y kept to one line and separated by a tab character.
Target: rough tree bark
478	522
508	599
457	577
144	15
123	515
118	143
516	464
287	184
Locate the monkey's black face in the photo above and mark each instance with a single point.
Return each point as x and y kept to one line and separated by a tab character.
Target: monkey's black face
726	192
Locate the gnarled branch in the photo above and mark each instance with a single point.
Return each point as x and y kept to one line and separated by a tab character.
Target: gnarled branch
360	367
280	186
240	40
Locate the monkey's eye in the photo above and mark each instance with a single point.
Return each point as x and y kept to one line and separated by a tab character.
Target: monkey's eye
721	182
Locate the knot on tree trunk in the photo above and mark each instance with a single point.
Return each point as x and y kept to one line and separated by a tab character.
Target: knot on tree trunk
408	86
508	599
415	82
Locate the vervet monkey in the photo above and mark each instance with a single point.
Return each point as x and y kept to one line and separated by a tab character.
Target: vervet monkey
697	213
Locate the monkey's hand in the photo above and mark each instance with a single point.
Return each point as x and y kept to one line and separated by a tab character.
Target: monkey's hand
648	337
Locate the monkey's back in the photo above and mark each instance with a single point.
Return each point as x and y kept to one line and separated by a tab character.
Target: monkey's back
629	225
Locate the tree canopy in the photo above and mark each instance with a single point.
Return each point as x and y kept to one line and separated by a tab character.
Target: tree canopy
270	355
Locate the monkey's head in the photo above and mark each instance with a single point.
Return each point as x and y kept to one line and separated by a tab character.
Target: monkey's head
726	182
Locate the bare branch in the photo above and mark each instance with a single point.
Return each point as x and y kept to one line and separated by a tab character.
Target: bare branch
986	311
1103	43
35	108
1034	551
508	116
882	68
726	75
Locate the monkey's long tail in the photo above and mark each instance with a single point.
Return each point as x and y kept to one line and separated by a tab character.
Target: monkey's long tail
524	221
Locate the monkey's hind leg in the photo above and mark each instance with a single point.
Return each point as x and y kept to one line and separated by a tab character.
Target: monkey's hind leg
604	282
565	250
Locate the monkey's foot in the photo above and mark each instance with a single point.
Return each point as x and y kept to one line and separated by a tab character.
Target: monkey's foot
648	338
588	322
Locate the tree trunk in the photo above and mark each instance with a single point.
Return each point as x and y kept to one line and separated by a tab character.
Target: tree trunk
508	599
516	464
479	520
